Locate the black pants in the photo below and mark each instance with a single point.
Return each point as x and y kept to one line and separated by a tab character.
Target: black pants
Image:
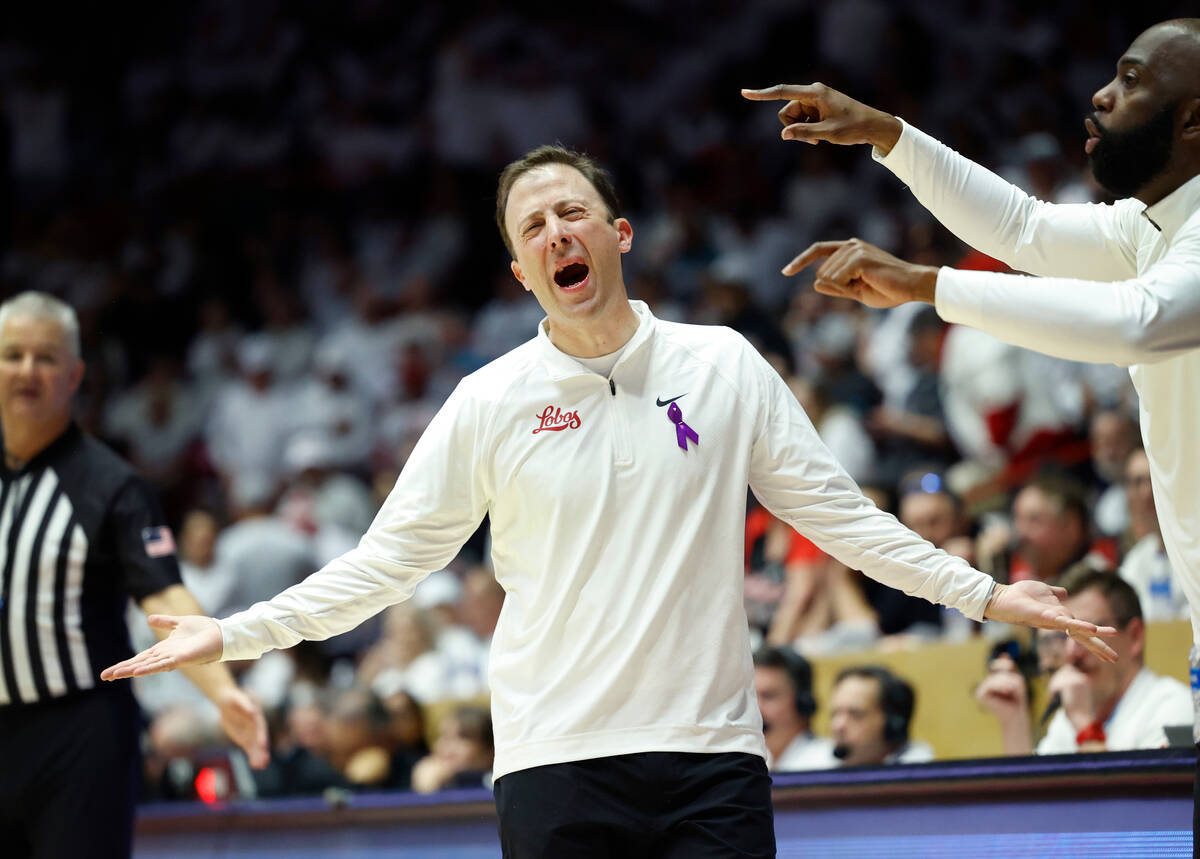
69	772
666	805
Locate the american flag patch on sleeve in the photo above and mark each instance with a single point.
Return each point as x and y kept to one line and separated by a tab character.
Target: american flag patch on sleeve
158	541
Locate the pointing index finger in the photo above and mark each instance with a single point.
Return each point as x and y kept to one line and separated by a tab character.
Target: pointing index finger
779	92
815	251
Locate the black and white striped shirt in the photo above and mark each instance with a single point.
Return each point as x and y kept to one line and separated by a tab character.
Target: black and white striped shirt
80	533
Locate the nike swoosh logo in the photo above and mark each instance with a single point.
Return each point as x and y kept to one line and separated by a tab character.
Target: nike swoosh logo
662	402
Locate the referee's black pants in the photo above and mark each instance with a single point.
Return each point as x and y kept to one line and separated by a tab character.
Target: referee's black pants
69	772
665	805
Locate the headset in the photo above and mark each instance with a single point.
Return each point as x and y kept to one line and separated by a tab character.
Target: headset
896	699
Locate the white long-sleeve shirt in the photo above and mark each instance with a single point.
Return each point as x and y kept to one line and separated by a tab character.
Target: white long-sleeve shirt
1119	284
620	552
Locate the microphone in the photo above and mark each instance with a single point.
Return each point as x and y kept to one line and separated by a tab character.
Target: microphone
842	751
1051	708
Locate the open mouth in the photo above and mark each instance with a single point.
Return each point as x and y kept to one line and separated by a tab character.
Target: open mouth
572	275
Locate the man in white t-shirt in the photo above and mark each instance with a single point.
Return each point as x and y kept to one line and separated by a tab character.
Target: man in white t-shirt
1097	706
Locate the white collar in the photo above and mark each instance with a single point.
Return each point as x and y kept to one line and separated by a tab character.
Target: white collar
1171	212
560	365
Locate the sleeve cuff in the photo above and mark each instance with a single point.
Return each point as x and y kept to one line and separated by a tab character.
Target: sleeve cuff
904	155
957	296
230	651
981	595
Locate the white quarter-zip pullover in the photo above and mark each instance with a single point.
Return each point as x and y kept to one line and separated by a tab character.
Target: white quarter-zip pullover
617	537
1139	305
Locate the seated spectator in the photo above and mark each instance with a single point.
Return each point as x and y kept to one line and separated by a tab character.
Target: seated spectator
933	513
441	595
462	754
156	422
328	404
358	737
479	611
1050	536
1096	706
783	572
211	583
871	713
839	427
260	551
290	336
916	430
405	657
331	507
1146	565
299	765
177	738
1001	410
835	347
820	607
930	509
841	617
249	421
212	356
1113	435
783	683
406	729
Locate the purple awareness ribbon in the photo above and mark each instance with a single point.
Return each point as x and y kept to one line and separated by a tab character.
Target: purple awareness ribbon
682	431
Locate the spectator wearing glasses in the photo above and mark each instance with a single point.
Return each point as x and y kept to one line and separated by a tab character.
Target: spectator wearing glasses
1095	706
1146	565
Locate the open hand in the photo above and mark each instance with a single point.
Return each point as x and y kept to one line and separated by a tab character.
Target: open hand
244	723
1037	604
193	640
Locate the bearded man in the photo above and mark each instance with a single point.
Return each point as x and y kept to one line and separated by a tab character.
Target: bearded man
1116	283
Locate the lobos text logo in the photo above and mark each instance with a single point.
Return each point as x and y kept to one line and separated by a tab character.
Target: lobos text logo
553	420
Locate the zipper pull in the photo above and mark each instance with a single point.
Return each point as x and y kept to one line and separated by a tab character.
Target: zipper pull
612	386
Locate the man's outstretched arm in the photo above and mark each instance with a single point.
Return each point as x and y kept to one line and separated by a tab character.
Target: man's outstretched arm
1091	305
190	640
1136	321
985	211
795	476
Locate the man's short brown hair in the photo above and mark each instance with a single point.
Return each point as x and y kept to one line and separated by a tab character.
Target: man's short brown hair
1068	494
1121	597
541	156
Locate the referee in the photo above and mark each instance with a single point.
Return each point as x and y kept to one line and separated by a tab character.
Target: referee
80	533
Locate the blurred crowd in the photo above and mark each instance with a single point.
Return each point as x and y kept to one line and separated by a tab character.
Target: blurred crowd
275	221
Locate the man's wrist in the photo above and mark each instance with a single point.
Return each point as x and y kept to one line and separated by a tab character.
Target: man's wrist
925	284
885	132
221	638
